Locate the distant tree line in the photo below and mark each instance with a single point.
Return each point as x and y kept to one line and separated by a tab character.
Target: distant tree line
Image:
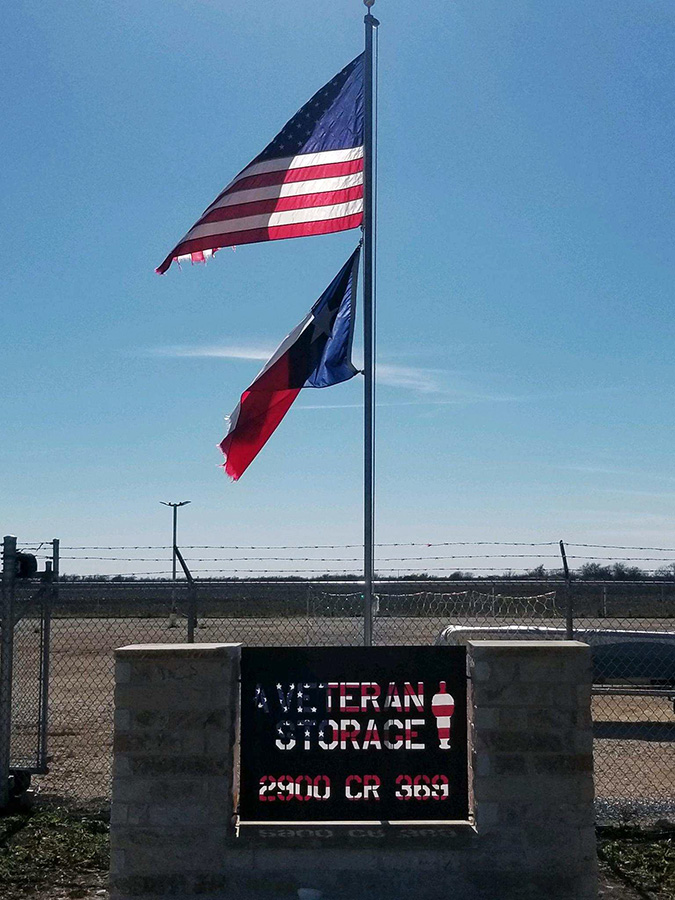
590	571
622	572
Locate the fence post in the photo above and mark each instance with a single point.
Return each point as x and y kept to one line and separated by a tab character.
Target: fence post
569	613
50	596
192	596
307	616
569	606
7	649
192	612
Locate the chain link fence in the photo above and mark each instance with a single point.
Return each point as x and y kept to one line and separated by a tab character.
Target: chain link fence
631	628
634	698
31	631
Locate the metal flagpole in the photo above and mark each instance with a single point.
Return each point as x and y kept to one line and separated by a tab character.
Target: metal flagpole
371	24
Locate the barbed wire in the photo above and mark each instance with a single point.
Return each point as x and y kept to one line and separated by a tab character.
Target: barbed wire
388	566
400	559
318	546
319	558
428	544
621	559
619	547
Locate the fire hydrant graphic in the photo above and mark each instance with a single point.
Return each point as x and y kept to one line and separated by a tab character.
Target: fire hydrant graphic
443	706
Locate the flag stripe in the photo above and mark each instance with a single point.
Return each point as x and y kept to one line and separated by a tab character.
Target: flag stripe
196	257
283	348
303	229
328	170
289	189
284	204
271	220
302	160
264	412
288	223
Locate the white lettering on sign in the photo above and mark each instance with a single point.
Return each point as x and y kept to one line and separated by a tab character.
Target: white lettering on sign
372	738
390	742
306	705
410	735
370	692
304	788
362	787
325	742
348	692
410	698
393	698
380	730
285	739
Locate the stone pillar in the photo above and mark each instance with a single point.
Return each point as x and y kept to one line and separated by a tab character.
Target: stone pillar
176	715
532	765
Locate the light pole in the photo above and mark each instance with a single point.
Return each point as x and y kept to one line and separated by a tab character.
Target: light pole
174	507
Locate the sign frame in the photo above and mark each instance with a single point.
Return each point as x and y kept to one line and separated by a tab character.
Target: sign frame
354	734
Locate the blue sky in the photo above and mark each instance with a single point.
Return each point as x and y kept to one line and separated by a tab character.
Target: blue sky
525	311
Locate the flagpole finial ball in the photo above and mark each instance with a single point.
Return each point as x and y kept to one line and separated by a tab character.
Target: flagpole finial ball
369	3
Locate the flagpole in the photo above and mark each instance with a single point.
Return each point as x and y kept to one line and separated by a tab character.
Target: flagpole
369	217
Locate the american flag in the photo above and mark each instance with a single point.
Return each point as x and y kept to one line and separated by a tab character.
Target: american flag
308	180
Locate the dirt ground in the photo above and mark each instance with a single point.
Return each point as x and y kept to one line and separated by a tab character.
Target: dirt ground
610	888
91	886
634	750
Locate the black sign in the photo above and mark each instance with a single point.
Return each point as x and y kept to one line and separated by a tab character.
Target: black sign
353	733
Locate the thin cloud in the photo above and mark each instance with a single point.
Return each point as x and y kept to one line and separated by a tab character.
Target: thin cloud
432	386
422	380
614	471
426	381
302	406
618	521
228	351
457	401
658	495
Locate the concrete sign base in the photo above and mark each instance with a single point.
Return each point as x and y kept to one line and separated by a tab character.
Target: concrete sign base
530	835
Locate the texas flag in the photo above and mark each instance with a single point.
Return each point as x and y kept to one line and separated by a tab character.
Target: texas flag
316	354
